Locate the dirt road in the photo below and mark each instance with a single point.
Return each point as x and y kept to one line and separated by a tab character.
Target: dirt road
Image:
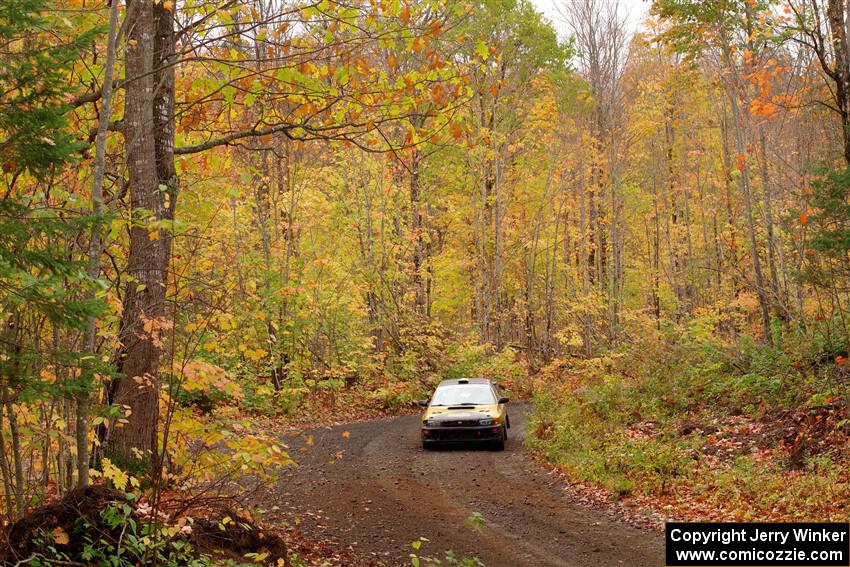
371	485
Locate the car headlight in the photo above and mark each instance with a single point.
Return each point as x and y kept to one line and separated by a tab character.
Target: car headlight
429	422
489	421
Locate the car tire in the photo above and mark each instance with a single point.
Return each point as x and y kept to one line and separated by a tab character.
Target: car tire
500	444
427	446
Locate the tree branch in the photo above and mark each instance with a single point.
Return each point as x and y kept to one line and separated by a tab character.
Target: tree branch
234	136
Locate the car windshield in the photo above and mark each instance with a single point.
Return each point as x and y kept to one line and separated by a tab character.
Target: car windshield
464	394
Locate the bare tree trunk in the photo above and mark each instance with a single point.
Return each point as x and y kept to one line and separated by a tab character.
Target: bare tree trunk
163	113
496	281
17	457
687	276
46	443
709	252
365	236
584	234
96	244
744	184
531	265
552	275
6	472
614	260
673	248
290	186
144	298
778	298
841	72
237	249
656	250
64	459
727	182
262	208
485	269
418	229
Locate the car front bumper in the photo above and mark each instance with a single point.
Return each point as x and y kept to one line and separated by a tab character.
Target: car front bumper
461	434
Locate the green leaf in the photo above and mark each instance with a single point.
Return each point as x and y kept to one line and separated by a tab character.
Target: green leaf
482	50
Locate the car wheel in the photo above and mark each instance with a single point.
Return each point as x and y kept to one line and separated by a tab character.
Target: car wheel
500	444
427	446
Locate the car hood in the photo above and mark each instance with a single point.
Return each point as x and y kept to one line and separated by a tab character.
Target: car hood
443	413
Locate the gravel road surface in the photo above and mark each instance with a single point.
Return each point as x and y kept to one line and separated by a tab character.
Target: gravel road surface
371	485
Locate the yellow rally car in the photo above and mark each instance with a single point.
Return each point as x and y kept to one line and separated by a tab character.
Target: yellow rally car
464	410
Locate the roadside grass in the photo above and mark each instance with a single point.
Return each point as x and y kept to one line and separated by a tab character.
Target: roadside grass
687	424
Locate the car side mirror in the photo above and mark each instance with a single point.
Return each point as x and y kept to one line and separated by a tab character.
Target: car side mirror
423	403
504	400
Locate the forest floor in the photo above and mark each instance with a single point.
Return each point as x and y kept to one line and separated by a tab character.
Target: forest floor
370	485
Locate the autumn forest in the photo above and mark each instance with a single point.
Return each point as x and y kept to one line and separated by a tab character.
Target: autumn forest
226	220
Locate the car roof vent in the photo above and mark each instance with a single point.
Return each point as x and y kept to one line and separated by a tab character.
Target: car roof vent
463	381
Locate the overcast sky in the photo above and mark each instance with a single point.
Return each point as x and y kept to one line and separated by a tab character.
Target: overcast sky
636	9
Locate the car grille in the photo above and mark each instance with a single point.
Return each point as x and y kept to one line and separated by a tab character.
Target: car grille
459	423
